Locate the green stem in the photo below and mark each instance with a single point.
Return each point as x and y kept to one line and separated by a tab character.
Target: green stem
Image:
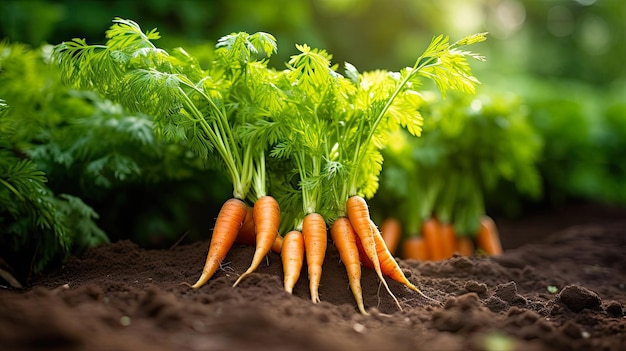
420	64
259	181
217	139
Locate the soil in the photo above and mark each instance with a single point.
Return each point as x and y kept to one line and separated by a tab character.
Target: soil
560	285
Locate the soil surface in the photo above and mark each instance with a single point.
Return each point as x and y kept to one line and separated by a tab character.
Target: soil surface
560	285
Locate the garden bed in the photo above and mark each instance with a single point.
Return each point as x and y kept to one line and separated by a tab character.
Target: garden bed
560	285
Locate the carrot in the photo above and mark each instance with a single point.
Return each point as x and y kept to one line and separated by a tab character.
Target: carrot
359	216
389	266
431	232
488	238
415	248
448	239
315	241
391	230
464	246
344	237
292	256
277	246
227	226
266	221
246	234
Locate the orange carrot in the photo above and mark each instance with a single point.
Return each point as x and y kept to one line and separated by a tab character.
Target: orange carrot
464	246
227	226
389	266
488	238
247	234
359	216
277	246
391	230
344	237
415	248
431	232
292	256
315	241
266	221
448	239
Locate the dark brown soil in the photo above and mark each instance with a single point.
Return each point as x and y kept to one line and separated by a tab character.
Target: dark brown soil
122	297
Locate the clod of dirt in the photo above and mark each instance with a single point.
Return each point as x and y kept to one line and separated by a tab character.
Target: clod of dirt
476	287
508	292
614	309
496	304
461	314
577	298
572	330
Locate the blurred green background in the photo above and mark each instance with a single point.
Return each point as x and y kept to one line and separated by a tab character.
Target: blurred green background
567	39
564	60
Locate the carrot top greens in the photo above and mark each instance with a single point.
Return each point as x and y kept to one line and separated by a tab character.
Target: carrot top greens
307	133
188	102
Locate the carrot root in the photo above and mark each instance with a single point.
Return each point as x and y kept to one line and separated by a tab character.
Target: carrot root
266	215
390	266
246	235
315	242
415	248
391	230
464	246
488	238
358	214
448	239
344	238
229	221
277	246
292	256
431	232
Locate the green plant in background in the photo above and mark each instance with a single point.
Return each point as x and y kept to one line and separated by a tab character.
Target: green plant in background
70	157
472	148
32	219
583	128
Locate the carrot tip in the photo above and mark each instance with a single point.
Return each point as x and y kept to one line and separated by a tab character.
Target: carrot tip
201	281
241	278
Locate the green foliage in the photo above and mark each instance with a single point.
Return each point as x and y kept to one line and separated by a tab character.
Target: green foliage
63	148
583	129
331	128
472	148
33	218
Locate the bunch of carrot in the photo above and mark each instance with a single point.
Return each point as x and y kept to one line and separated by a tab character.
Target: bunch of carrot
308	135
437	241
